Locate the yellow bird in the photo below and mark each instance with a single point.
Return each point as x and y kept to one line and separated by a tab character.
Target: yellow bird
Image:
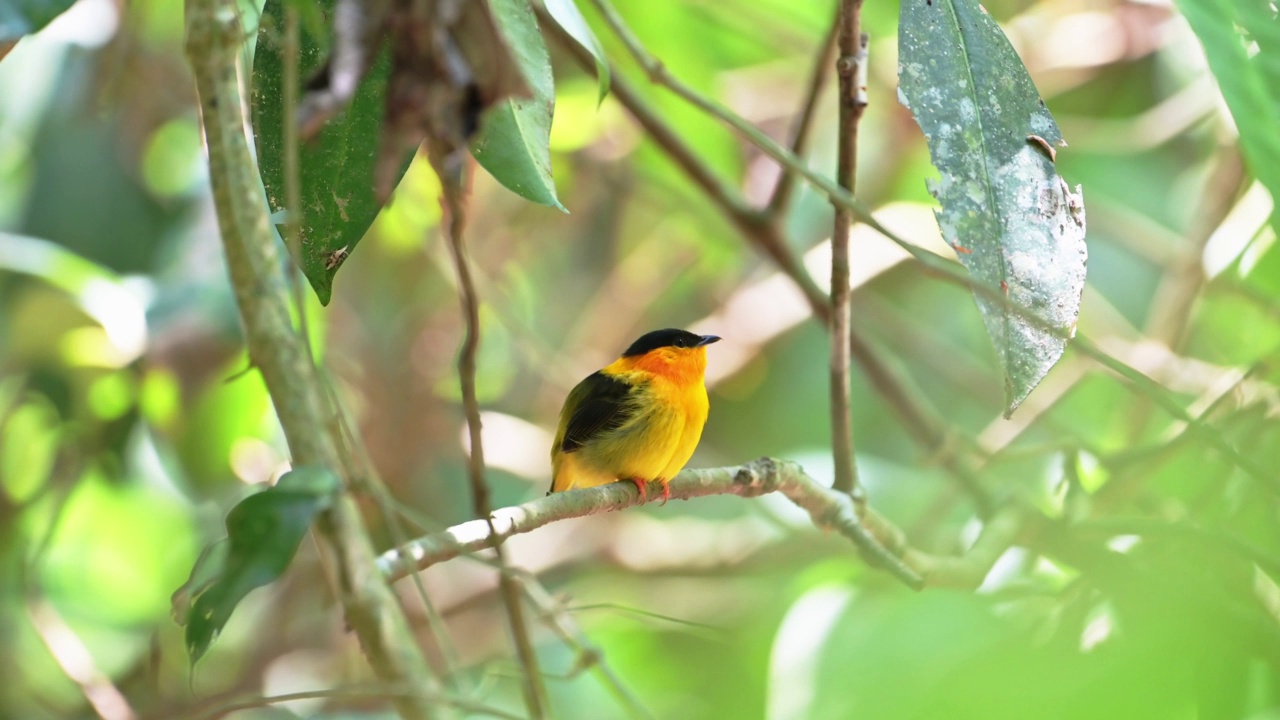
639	419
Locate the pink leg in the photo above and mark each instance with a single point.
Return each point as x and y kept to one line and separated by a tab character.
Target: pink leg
666	491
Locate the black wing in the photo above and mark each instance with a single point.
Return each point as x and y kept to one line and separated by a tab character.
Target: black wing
600	403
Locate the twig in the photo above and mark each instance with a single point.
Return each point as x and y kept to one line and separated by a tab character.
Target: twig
213	37
829	509
851	70
74	659
358	465
451	190
782	191
589	656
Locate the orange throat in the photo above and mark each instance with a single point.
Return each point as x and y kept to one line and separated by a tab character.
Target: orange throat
681	366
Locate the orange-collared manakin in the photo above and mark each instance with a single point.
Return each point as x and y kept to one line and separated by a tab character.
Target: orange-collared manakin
639	419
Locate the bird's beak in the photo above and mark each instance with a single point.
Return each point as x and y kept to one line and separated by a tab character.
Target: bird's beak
708	339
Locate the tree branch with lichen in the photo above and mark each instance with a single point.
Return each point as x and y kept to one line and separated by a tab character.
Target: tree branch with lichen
214	34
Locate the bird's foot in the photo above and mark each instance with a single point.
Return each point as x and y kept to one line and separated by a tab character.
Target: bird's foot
642	487
666	491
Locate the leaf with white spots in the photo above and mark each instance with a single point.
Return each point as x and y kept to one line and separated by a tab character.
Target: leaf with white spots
1014	223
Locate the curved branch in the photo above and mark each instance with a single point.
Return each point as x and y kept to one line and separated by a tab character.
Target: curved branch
828	508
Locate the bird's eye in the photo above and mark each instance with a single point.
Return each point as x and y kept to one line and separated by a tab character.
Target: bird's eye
679	342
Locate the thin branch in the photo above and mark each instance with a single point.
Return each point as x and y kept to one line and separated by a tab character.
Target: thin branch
829	509
782	191
72	656
450	182
851	68
214	34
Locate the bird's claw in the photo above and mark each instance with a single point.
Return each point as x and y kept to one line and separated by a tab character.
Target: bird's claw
642	488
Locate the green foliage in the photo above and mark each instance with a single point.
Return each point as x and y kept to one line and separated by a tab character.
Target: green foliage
514	139
1242	41
336	167
263	532
569	17
132	421
1014	223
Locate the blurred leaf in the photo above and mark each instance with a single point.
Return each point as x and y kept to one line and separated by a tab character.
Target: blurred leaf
27	16
1015	225
263	533
569	17
514	142
336	167
1242	42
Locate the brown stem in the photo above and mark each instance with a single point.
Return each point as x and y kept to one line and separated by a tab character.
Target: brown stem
449	171
783	190
851	70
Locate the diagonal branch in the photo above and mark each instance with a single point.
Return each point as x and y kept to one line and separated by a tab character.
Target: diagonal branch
783	190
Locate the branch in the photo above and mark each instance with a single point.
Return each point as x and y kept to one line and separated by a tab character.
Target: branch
449	170
800	135
851	67
829	509
213	37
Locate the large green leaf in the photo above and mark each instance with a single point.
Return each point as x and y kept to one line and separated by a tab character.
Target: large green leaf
336	167
1016	226
1242	42
263	533
569	17
514	142
22	17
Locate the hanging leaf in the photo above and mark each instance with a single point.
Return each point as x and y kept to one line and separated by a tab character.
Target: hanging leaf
336	166
263	532
1241	39
514	143
570	19
1014	223
24	17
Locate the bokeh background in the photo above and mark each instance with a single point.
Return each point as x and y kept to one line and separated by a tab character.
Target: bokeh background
128	427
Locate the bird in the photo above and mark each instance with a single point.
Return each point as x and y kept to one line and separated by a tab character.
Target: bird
637	419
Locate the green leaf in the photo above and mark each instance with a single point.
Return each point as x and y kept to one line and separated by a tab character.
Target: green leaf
336	167
569	17
1016	226
263	533
514	142
27	16
1242	42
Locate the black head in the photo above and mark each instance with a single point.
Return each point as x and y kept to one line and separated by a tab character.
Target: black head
669	337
